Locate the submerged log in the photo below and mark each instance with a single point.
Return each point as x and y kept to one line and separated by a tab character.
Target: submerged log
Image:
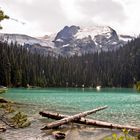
72	118
92	122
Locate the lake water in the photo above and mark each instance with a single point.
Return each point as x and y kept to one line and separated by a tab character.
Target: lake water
123	107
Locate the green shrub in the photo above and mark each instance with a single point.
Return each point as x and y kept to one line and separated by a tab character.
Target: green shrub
20	120
13	118
124	136
138	86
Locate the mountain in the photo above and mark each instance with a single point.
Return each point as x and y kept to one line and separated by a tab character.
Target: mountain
31	43
22	39
72	40
78	40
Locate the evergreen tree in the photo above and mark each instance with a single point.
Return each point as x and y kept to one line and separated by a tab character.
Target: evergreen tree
20	67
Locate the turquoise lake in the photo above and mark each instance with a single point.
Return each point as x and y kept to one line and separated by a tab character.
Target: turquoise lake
123	104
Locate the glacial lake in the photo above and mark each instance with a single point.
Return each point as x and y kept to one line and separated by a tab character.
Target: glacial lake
123	108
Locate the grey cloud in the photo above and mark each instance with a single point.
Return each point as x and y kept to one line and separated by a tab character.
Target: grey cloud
108	10
47	13
51	17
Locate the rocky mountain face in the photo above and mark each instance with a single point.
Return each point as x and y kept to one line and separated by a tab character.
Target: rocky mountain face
72	40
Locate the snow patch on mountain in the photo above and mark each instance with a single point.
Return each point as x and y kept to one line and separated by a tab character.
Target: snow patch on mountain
92	31
126	38
22	39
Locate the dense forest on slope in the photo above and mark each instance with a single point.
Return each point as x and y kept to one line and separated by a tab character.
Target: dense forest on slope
19	67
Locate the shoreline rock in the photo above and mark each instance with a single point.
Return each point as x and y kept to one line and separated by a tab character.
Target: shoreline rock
2	100
2	128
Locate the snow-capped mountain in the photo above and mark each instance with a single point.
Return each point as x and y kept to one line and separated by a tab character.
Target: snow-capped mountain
78	40
33	44
72	40
22	39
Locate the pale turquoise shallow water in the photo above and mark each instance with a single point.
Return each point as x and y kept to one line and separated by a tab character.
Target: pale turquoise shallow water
123	104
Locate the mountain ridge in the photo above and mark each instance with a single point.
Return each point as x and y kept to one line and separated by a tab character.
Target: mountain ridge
71	40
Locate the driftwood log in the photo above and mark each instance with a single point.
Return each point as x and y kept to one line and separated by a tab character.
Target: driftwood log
92	122
72	118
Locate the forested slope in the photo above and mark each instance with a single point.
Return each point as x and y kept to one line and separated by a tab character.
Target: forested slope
19	67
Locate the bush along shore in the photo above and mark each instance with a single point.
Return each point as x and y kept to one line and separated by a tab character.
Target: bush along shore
10	117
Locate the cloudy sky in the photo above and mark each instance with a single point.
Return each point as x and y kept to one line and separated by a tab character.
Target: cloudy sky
48	16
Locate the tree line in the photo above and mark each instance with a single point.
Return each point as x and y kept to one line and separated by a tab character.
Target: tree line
20	67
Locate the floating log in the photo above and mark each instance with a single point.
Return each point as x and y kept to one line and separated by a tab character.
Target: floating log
92	122
72	118
52	115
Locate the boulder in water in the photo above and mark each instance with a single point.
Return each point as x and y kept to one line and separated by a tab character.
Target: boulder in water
59	135
2	128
